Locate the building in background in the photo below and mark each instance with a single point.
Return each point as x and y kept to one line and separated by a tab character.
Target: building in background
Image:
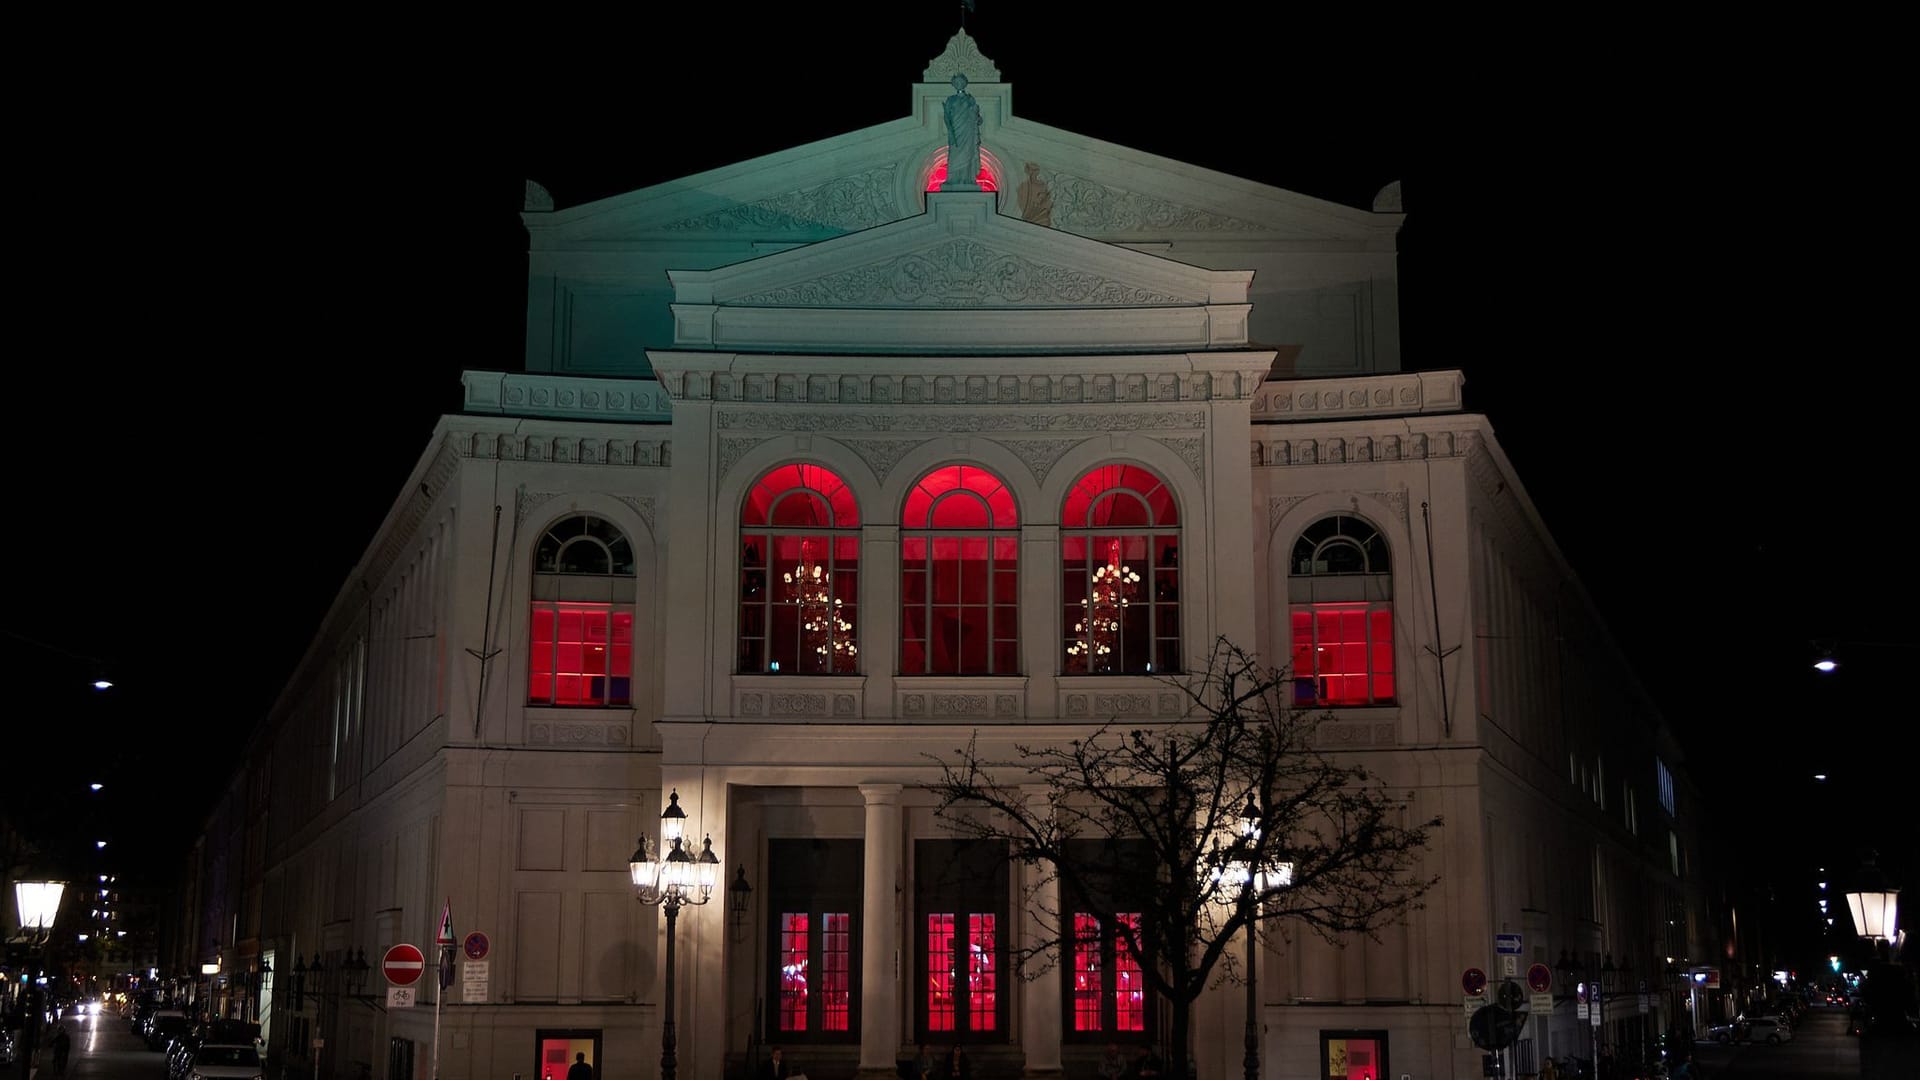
822	463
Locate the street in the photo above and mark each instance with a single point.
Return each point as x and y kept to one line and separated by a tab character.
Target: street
1820	1049
103	1049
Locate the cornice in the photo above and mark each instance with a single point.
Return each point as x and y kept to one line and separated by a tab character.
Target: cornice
1351	448
959	380
1397	394
562	448
568	397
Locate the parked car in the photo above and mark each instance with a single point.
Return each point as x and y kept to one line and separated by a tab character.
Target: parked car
1767	1029
165	1027
224	1061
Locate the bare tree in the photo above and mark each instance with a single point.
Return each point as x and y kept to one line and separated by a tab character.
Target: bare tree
1203	826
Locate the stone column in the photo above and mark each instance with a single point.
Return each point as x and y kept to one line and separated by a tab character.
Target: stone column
880	935
1040	997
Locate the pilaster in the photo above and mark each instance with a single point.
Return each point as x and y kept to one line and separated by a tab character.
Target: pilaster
1040	996
690	646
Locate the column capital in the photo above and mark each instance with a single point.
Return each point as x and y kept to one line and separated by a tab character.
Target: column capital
881	793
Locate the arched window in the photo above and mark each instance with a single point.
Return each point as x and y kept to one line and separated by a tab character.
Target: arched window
959	575
1120	561
1340	604
799	574
582	641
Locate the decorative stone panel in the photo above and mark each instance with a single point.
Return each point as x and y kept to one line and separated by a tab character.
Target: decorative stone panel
787	703
946	706
613	733
1336	734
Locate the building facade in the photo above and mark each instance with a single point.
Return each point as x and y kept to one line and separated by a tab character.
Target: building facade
822	464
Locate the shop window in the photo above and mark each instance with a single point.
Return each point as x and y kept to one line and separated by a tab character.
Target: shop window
959	575
556	1051
799	574
1340	614
581	648
1353	1055
1120	571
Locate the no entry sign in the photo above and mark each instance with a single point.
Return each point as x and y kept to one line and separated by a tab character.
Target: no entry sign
402	965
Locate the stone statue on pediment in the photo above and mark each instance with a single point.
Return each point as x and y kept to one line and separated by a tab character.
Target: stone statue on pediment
963	138
1036	199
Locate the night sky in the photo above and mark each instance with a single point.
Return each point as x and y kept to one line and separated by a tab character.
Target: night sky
246	289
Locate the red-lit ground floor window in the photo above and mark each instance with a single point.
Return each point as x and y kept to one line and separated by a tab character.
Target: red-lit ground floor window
581	654
556	1052
1108	995
960	891
815	972
816	889
1353	1055
963	972
1342	653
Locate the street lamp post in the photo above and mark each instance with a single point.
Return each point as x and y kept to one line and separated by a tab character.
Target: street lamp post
38	903
678	880
1249	899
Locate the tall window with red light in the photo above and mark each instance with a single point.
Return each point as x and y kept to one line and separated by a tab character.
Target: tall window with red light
1106	998
1340	614
816	894
799	574
1108	993
961	896
959	575
581	652
1120	569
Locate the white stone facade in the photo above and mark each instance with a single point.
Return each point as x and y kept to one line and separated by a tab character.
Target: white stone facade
816	307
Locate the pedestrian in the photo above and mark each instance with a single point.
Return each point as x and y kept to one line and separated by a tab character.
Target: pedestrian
580	1070
62	1045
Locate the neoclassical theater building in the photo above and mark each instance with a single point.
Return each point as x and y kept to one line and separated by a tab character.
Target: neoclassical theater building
823	463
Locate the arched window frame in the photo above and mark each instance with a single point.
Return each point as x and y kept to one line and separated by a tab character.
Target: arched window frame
799	574
581	615
959	574
1340	614
1120	541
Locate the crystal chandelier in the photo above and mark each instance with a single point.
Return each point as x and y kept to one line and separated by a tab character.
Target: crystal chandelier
822	618
1099	625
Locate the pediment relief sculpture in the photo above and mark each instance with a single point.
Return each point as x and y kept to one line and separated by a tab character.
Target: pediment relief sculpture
845	203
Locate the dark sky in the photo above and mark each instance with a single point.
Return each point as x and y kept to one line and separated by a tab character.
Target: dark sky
246	289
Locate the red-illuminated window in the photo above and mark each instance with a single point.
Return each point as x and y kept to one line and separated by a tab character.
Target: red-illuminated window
959	575
582	655
580	648
1340	614
801	938
1120	568
799	574
815	981
938	176
961	890
1108	994
1354	1055
796	949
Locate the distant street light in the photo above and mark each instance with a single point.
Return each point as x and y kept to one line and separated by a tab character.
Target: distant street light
96	787
1825	665
102	684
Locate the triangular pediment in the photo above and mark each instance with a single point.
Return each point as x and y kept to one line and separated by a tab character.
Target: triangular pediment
959	275
879	174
